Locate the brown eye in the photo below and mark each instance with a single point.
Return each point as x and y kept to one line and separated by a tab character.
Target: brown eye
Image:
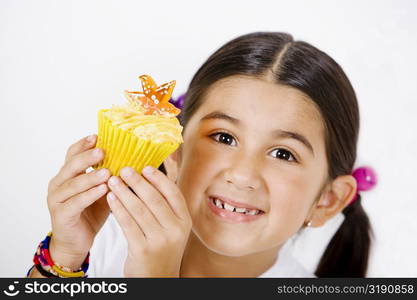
223	138
283	154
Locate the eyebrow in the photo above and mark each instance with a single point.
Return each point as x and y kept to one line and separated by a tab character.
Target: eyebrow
279	133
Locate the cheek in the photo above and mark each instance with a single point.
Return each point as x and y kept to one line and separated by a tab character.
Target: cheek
199	165
291	195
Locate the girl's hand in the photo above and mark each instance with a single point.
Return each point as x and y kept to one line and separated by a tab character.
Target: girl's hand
77	204
154	219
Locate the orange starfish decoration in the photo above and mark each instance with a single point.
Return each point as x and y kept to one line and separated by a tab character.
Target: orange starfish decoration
156	98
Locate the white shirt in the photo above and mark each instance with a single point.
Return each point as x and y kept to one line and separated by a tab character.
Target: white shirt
109	251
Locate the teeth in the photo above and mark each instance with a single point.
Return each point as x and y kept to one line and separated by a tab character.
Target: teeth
229	207
219	203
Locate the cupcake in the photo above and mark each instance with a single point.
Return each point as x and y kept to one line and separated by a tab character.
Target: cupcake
144	131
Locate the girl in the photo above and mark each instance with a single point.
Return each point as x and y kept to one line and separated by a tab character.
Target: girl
270	133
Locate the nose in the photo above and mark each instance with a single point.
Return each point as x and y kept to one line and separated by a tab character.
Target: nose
243	173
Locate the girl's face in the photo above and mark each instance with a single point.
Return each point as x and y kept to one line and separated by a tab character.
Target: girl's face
252	145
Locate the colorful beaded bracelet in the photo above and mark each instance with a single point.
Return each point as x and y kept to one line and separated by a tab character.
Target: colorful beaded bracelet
48	268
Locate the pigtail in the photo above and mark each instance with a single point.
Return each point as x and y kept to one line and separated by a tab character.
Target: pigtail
348	251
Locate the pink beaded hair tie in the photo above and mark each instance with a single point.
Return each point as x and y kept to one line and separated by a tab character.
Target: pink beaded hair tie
365	178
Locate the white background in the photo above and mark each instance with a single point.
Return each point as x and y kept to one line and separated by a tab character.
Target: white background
61	61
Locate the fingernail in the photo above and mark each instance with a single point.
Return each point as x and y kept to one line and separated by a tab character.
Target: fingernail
113	180
91	138
127	171
148	170
97	152
111	196
102	173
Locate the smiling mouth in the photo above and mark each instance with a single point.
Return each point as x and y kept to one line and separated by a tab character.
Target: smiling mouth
239	210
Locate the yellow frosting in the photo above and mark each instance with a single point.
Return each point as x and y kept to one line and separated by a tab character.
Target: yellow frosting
158	128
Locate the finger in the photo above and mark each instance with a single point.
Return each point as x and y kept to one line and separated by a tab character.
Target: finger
77	165
152	198
169	190
135	206
75	205
81	146
80	184
129	226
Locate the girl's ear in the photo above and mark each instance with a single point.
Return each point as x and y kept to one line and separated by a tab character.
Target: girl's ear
332	201
171	164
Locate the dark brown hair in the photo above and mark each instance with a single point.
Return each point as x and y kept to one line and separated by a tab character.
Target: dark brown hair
297	64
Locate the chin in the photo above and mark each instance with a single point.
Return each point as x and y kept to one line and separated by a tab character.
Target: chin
225	245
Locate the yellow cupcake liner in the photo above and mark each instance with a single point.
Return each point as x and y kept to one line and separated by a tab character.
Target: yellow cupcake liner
124	149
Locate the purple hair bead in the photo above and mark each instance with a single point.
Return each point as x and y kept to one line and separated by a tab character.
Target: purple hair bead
179	102
365	178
